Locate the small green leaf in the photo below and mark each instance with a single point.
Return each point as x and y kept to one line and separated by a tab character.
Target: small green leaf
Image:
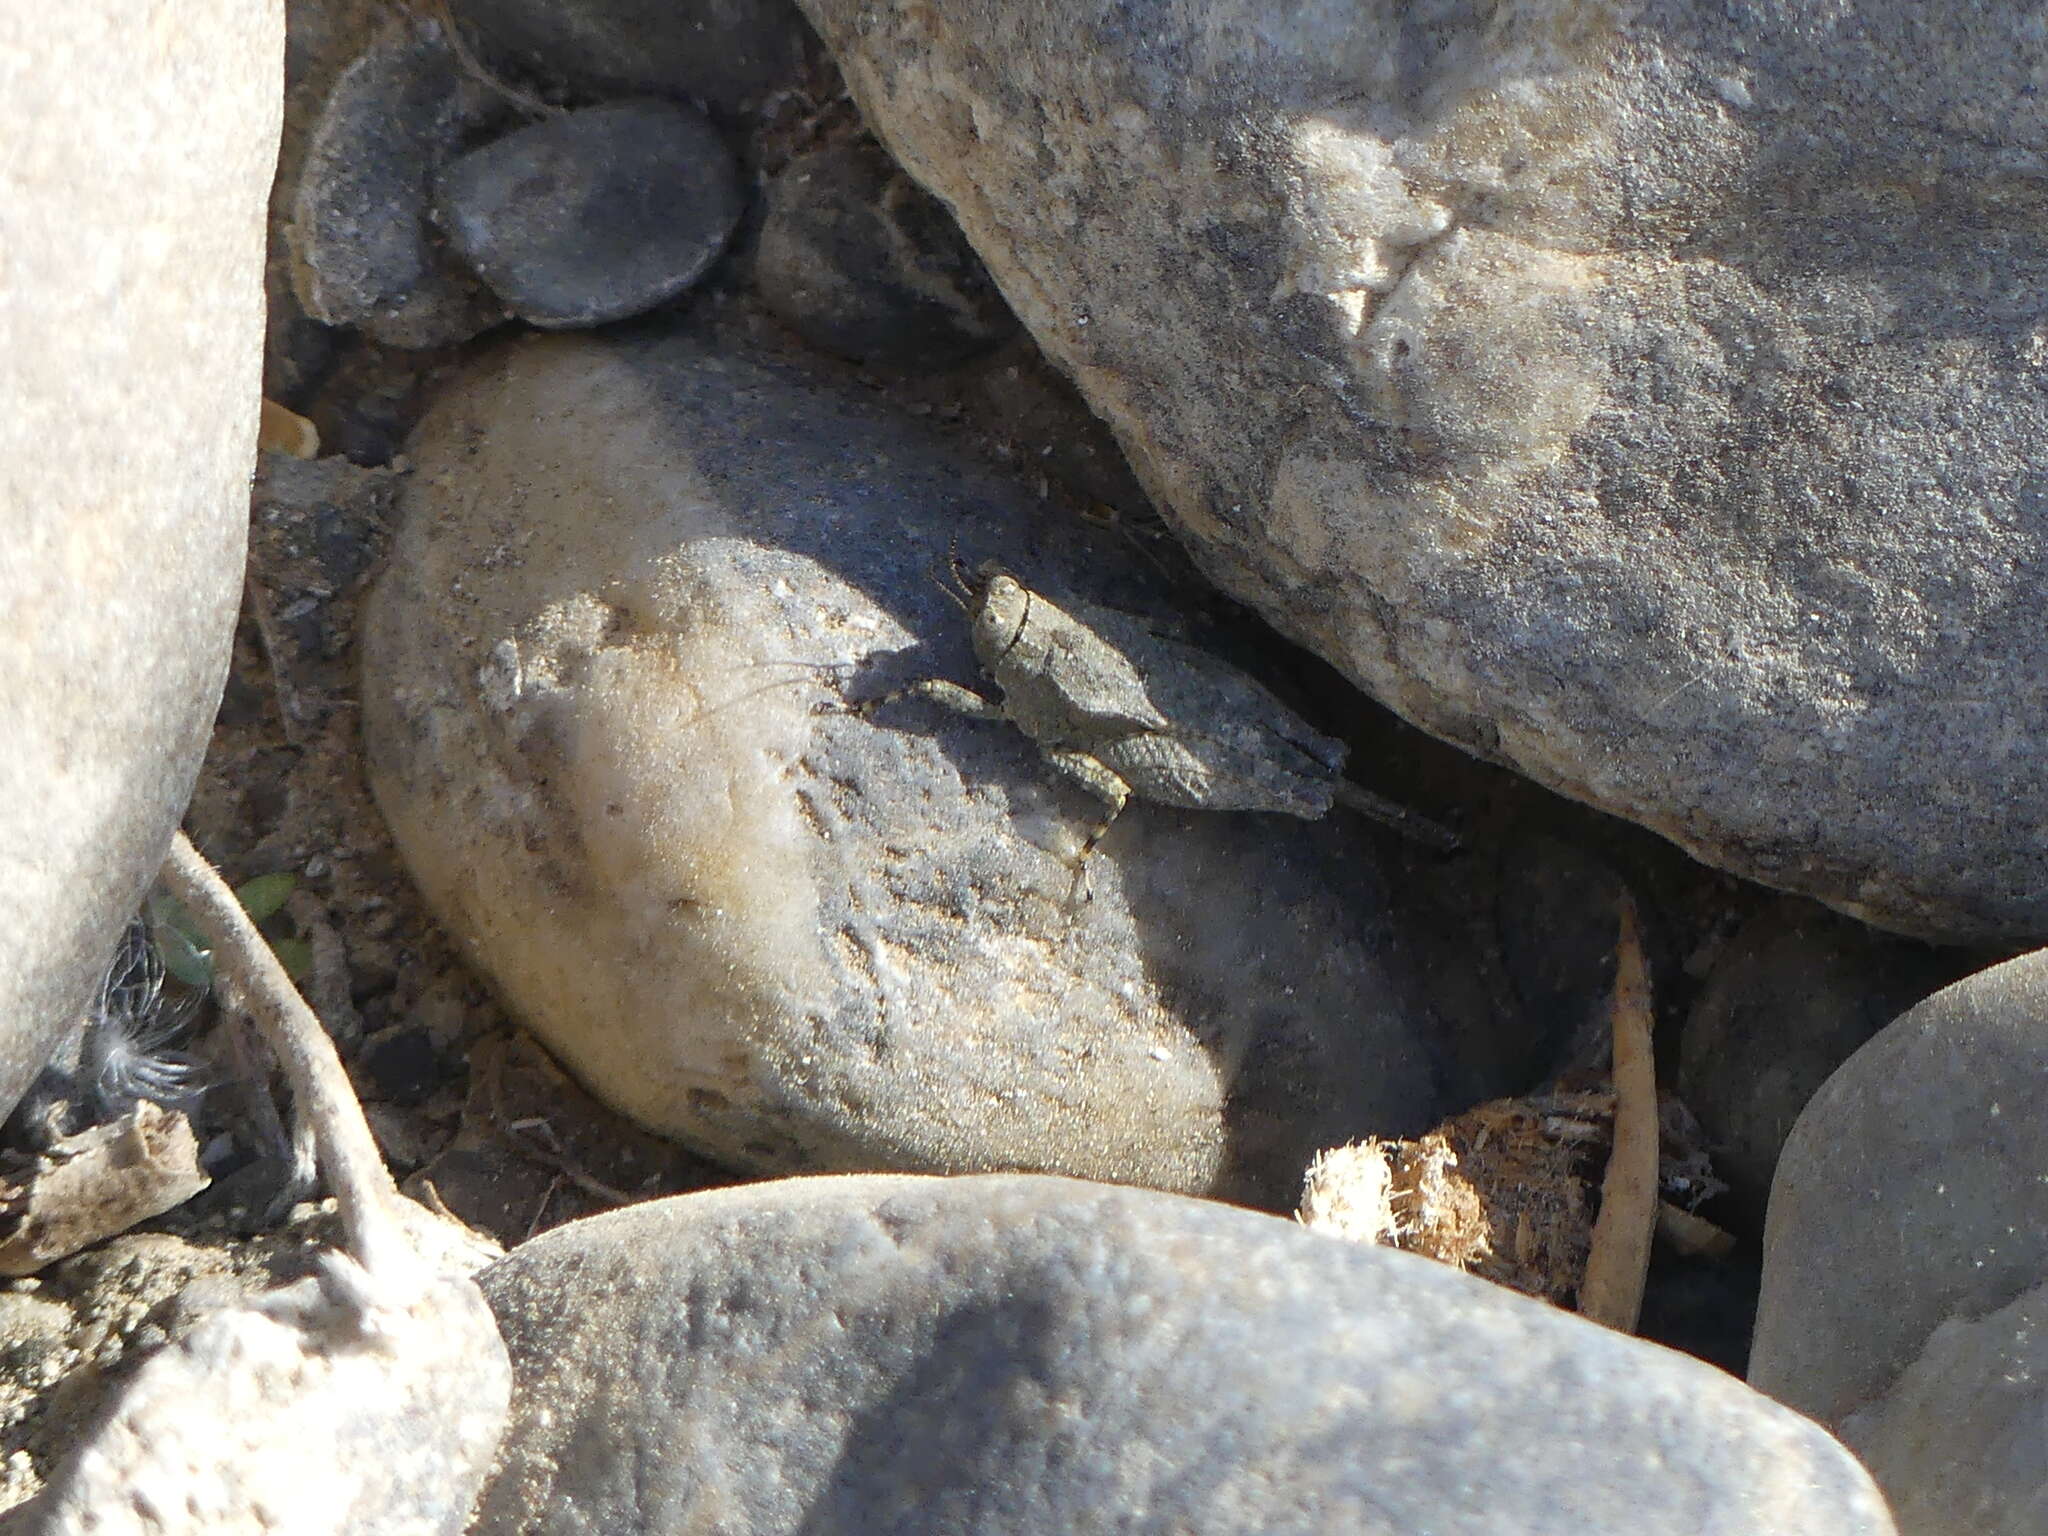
295	955
263	896
181	957
166	911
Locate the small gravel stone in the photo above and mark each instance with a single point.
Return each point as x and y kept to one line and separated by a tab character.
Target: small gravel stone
1793	996
861	261
402	1065
363	252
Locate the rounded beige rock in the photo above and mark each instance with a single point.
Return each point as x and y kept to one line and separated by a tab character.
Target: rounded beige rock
606	684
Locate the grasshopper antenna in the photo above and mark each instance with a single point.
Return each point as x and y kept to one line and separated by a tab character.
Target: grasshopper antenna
806	671
963	587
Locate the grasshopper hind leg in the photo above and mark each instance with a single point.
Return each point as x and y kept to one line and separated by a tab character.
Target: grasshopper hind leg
1408	823
1106	786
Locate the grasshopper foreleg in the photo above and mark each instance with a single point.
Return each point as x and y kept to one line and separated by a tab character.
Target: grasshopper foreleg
948	695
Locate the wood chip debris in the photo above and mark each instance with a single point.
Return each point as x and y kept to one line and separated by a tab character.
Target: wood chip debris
286	431
97	1185
1511	1190
1618	1259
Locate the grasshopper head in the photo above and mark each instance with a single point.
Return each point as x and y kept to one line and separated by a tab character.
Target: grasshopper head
998	602
995	602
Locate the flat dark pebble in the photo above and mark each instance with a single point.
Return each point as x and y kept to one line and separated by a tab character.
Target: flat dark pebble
595	215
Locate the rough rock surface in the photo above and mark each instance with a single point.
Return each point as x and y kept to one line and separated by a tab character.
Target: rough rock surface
1904	1255
1960	1437
73	1339
594	215
1647	397
1791	998
863	262
134	161
606	687
1014	1354
342	1404
322	38
364	254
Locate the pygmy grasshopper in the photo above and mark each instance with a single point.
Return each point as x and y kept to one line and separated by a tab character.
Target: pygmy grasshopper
1125	712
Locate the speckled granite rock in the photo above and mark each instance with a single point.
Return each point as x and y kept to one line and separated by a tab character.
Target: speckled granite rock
605	687
1906	1251
1647	398
1013	1354
134	161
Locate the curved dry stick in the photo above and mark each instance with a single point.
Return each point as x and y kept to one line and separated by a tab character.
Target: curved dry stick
254	980
438	13
1612	1292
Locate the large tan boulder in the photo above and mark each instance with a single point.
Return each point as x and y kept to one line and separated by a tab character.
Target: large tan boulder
136	146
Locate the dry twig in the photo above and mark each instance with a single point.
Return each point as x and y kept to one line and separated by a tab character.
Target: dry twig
252	978
1612	1292
437	13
